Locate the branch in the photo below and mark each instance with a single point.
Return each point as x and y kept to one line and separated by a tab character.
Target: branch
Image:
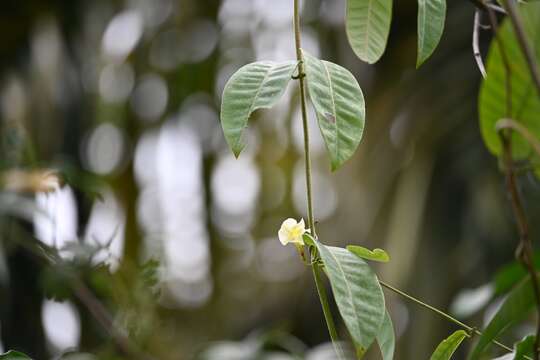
524	251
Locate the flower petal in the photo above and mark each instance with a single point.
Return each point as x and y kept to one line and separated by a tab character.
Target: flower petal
283	236
289	223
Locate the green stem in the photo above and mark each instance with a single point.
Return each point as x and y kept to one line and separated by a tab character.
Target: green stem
311	221
301	76
326	309
471	330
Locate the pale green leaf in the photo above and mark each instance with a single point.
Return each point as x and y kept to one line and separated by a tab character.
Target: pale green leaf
339	105
525	103
431	16
375	255
448	346
519	302
14	355
386	338
368	25
255	86
357	292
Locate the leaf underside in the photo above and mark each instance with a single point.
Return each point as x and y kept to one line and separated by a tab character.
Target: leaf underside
386	338
431	16
339	105
357	292
254	86
367	26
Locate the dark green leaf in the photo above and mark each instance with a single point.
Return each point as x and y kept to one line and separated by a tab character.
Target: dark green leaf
255	86
448	346
515	308
339	105
524	348
357	292
14	355
510	274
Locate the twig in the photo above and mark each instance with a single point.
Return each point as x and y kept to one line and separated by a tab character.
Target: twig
475	46
524	251
49	256
471	330
481	4
526	49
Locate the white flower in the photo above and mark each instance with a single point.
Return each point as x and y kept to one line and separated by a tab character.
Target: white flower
292	232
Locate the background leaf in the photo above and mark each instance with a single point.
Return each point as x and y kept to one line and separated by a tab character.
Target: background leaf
386	338
255	86
514	309
357	293
431	16
448	346
340	108
525	100
375	255
368	25
524	348
14	355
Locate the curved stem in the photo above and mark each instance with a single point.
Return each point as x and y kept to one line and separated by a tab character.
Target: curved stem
311	221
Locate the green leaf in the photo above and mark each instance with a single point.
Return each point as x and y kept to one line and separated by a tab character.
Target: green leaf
512	273
255	86
514	309
357	292
386	338
524	99
14	355
524	348
374	255
368	25
340	108
431	15
448	346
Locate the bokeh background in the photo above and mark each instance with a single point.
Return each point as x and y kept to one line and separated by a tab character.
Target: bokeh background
178	239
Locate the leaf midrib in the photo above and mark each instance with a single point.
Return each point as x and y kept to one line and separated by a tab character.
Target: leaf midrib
368	28
246	118
334	112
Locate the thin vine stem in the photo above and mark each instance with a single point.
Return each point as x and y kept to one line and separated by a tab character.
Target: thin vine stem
524	250
321	291
471	330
